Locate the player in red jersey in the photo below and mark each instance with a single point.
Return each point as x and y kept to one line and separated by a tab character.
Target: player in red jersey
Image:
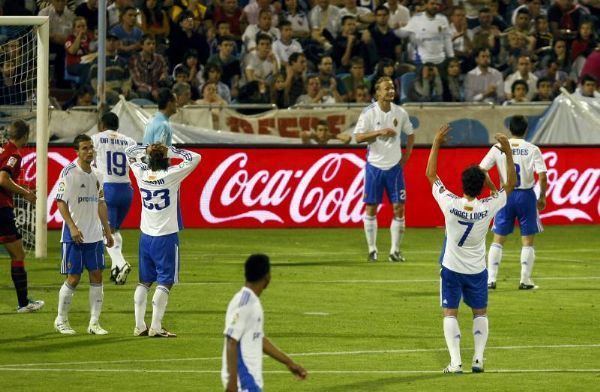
10	166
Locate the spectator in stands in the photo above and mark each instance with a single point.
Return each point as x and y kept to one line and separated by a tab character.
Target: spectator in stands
183	94
386	67
295	78
251	12
61	23
278	95
129	34
116	10
564	17
362	94
516	47
559	78
461	38
194	72
522	22
560	55
399	14
321	135
585	40
349	44
533	6
544	90
185	37
364	17
149	70
286	45
523	73
297	18
592	64
11	91
387	43
81	50
155	21
327	78
518	91
89	10
254	92
229	64
543	37
222	30
261	64
193	9
325	18
355	78
212	74
588	87
210	96
315	93
263	26
117	76
452	82
487	34
427	86
430	32
84	96
484	83
229	12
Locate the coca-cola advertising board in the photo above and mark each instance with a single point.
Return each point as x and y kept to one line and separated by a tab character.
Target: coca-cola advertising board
322	187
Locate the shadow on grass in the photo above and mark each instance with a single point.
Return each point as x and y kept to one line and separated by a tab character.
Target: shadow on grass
58	342
374	385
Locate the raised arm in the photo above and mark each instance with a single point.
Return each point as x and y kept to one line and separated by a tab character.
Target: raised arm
440	138
136	152
511	174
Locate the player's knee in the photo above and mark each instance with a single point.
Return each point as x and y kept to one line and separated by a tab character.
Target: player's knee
398	210
96	276
479	312
371	209
73	280
450	312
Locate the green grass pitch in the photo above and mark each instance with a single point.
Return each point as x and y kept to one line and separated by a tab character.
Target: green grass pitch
355	326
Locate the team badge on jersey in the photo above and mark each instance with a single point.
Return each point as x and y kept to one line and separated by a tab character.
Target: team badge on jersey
395	122
468	208
12	161
442	189
61	186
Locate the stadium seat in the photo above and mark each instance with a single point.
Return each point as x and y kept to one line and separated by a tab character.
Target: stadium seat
468	132
405	81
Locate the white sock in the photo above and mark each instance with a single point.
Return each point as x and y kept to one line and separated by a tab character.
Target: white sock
480	336
452	335
96	298
370	223
397	229
65	296
116	251
494	259
527	261
159	305
140	298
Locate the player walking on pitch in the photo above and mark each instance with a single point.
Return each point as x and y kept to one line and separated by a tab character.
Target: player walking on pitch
521	204
463	272
380	125
159	186
111	162
80	201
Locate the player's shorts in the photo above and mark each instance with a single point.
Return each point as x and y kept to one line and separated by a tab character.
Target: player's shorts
159	259
521	205
8	227
473	287
76	256
118	198
376	180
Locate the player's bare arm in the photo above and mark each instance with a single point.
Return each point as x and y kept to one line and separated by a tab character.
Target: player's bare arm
410	142
7	183
271	350
370	136
440	138
63	208
232	365
543	181
103	214
511	174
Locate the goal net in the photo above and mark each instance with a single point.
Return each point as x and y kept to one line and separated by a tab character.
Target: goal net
24	95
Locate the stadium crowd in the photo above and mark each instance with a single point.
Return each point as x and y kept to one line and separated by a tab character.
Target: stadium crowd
288	52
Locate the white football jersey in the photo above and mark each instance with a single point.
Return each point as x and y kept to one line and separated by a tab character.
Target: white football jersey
244	322
527	157
81	191
467	223
111	160
385	152
160	190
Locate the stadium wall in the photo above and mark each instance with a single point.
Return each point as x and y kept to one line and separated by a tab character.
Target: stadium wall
254	187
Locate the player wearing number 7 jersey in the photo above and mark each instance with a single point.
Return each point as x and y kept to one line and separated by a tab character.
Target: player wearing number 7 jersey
111	162
159	242
463	272
522	204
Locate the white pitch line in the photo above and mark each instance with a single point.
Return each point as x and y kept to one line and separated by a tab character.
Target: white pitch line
308	354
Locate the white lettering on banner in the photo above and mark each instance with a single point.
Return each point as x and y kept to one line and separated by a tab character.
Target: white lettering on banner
306	200
584	190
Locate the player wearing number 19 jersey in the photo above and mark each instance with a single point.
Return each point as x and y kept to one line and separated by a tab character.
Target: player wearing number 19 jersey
159	242
521	205
111	162
463	272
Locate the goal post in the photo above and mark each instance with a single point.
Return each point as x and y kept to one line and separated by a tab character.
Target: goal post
42	29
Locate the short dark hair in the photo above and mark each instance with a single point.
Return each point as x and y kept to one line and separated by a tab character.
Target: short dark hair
157	160
588	78
164	97
125	10
382	8
263	37
18	129
190	53
294	57
147	37
82	137
518	125
284	23
519	82
473	179
479	50
110	121
347	17
523	11
225	38
542	80
257	267
182	70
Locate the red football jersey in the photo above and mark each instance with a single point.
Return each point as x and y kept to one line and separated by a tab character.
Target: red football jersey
10	161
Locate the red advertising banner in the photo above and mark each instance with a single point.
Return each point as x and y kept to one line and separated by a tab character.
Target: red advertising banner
312	187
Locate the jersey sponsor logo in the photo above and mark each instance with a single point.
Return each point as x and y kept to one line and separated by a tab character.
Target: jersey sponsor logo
12	161
87	199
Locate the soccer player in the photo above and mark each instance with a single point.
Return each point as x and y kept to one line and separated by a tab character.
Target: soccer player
111	162
10	167
158	130
245	340
159	242
463	270
80	201
522	204
380	125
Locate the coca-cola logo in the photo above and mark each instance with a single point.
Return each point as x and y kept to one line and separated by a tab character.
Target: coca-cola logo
314	192
571	188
